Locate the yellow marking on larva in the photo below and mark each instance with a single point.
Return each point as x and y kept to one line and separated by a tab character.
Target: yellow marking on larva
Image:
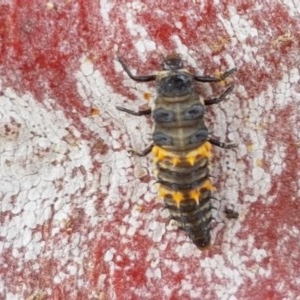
175	160
191	157
196	193
162	192
178	196
207	185
202	151
175	195
160	154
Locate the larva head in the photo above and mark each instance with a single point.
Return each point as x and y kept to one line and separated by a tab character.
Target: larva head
172	62
174	81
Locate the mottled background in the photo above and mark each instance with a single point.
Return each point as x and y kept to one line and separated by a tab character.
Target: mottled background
79	215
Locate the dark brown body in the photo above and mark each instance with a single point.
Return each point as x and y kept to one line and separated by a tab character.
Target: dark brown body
182	147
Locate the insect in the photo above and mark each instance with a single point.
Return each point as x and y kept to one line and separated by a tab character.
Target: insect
181	145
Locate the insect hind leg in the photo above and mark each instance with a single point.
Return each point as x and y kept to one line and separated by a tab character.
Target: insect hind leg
220	144
144	152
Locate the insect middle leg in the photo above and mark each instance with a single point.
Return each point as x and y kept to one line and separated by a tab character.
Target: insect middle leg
143	112
220	98
138	113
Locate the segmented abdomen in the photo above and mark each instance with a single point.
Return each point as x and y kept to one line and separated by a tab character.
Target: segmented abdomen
181	154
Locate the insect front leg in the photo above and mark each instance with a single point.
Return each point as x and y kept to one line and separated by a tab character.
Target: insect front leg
139	78
214	79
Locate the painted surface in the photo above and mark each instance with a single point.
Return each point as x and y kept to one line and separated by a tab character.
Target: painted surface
79	216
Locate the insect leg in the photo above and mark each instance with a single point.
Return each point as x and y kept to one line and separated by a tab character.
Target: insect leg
214	79
217	143
139	78
220	98
143	112
143	153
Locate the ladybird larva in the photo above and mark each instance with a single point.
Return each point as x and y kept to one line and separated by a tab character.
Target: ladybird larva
181	145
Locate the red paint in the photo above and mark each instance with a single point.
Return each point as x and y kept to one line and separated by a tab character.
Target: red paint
40	51
267	228
286	184
44	49
163	33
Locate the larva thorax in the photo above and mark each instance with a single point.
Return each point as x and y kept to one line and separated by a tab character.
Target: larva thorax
178	112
